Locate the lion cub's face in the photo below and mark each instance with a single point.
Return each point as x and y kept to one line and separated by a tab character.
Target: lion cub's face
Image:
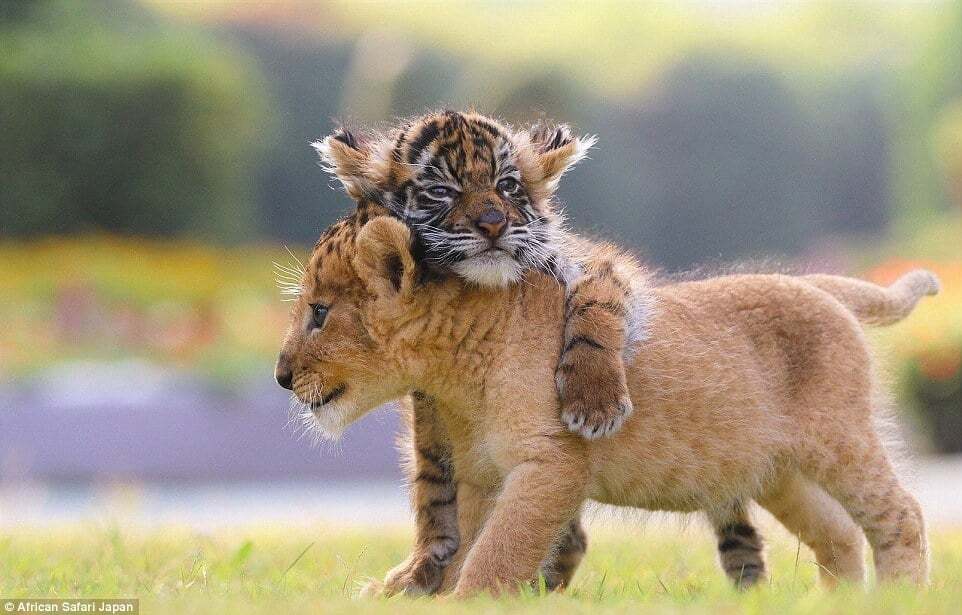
475	193
336	366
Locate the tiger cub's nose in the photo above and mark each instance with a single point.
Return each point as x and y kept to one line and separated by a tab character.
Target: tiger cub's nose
492	223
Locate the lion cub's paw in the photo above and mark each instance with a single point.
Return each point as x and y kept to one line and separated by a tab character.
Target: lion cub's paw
594	403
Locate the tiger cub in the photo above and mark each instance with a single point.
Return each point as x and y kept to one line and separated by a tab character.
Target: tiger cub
478	197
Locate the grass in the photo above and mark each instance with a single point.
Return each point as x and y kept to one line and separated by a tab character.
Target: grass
304	569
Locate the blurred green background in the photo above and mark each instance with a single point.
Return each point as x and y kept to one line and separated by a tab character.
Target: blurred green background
154	156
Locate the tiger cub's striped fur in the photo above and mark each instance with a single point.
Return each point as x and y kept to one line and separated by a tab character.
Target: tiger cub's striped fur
441	174
478	197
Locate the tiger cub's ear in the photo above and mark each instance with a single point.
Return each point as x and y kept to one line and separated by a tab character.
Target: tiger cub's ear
348	157
557	150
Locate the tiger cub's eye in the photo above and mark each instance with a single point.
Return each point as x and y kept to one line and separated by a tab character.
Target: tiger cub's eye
508	185
440	192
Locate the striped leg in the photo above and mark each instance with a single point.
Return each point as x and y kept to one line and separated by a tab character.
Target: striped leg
474	507
560	565
740	548
591	373
434	498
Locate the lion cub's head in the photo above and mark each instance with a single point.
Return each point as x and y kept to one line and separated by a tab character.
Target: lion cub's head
337	356
476	193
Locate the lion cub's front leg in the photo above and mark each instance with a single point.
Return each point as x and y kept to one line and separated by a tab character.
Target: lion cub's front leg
536	503
591	373
434	498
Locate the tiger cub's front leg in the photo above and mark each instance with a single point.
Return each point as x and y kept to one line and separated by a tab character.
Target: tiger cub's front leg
591	373
563	559
434	498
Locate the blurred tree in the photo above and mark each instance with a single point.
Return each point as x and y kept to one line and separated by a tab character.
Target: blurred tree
295	198
948	135
14	11
722	162
929	82
550	95
118	119
123	129
427	82
851	161
717	165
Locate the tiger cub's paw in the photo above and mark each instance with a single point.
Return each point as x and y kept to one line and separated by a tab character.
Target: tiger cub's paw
418	575
594	396
372	589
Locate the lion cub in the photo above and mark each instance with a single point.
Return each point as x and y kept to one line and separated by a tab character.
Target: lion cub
761	388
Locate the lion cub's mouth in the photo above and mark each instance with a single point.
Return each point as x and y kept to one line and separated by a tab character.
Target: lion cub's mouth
333	395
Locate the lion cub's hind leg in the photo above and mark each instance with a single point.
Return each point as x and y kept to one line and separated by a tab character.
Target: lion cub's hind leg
591	374
819	521
859	475
740	547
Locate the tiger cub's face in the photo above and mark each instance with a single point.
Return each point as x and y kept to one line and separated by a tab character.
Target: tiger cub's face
476	194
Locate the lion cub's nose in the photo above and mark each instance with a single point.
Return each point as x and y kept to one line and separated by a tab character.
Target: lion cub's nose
283	373
492	223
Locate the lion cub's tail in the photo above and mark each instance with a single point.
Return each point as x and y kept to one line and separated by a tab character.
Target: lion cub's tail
878	305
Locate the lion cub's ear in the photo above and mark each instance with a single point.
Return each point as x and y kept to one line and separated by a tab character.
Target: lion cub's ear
556	151
349	158
384	260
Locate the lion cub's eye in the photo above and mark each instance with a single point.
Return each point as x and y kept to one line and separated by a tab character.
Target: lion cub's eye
319	314
508	185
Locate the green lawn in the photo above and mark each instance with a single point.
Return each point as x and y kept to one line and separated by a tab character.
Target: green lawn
318	570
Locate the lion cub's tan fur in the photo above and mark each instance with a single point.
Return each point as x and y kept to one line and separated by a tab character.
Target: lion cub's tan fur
751	387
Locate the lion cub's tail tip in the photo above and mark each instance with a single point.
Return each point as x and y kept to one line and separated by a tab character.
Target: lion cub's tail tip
921	282
879	305
902	297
